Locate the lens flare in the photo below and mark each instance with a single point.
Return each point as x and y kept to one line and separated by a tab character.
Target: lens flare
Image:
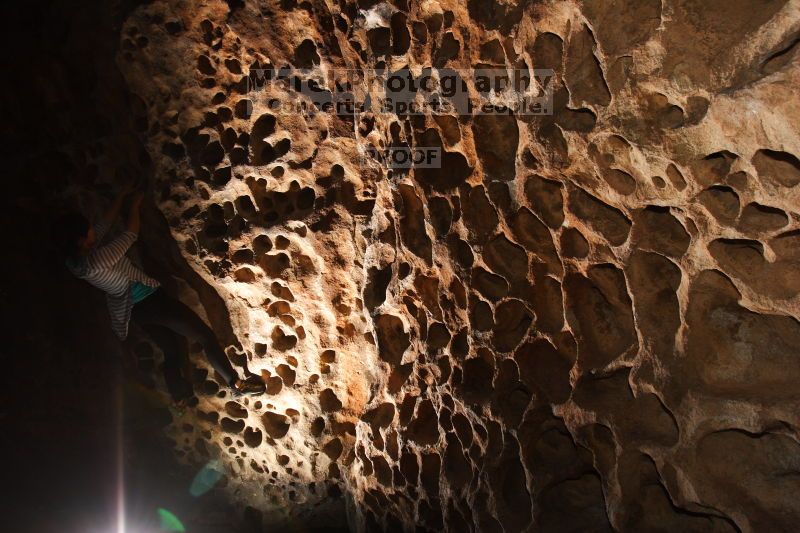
168	521
119	436
206	478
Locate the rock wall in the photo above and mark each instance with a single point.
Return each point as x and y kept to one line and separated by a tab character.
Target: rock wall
582	321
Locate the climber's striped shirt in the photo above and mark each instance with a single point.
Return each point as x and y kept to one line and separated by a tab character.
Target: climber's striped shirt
109	269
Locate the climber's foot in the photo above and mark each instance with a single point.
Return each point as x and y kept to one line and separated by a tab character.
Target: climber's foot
248	387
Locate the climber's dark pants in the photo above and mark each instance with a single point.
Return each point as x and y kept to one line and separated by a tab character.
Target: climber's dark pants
164	318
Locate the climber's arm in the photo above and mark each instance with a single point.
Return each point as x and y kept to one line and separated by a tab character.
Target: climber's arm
113	212
107	256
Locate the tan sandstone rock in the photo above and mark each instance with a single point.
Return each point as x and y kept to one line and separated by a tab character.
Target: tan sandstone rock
584	321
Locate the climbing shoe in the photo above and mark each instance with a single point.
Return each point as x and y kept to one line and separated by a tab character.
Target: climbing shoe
249	387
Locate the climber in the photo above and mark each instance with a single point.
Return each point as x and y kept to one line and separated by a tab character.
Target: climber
131	294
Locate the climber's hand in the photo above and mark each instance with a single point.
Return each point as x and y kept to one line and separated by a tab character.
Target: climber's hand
129	188
132	182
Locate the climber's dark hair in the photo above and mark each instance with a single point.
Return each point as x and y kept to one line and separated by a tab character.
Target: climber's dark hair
66	230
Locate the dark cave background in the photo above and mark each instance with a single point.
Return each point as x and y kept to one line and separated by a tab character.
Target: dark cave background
70	130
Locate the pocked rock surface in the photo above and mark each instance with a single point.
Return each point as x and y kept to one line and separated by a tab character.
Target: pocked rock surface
583	322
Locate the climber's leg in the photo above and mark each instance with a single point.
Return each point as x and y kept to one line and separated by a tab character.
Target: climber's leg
160	309
174	360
